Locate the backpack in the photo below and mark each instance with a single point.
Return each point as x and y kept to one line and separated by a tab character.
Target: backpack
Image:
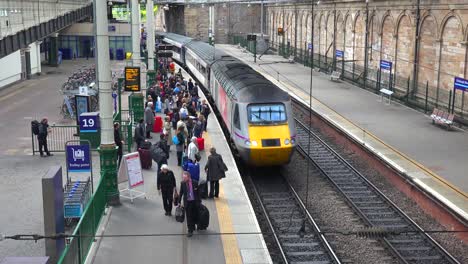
35	127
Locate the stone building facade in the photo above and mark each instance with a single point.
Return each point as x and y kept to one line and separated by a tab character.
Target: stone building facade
440	52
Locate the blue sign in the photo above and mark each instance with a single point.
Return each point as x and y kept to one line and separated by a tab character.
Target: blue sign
339	53
386	65
309	46
460	84
111	28
89	122
78	158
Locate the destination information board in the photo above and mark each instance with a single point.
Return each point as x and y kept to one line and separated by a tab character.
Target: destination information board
132	79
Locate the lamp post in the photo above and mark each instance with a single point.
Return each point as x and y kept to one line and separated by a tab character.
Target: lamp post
366	42
416	49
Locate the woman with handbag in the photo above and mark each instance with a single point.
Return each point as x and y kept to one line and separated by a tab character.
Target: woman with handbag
166	186
190	200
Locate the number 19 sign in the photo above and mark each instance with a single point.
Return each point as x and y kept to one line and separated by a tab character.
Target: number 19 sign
89	122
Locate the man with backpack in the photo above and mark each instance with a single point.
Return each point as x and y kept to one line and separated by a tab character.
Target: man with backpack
42	132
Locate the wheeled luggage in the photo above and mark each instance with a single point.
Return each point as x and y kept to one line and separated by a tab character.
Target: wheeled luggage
179	214
203	217
201	144
145	158
157	125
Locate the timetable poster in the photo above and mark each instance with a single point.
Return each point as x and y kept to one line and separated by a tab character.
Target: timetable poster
135	175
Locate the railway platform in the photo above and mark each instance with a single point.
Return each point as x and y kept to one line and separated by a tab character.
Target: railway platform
233	236
431	157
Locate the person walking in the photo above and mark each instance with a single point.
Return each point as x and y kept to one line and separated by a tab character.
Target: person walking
215	169
140	133
180	145
42	137
166	184
192	150
118	142
149	119
168	130
205	111
188	194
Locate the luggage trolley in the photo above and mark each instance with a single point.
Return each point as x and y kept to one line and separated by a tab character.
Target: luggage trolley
77	193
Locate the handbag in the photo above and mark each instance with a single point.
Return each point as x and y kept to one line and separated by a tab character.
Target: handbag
197	157
176	198
179	214
175	140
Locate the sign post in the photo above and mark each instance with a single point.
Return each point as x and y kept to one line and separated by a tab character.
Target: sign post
387	66
78	158
462	85
132	79
130	171
82	105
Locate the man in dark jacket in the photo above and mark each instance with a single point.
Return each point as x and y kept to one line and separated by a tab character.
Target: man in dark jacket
215	171
166	186
118	142
42	137
189	195
140	133
205	111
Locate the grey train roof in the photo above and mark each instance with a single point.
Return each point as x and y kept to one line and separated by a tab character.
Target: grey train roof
176	37
205	51
244	84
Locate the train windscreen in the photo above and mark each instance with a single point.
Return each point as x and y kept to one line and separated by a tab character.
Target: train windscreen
266	113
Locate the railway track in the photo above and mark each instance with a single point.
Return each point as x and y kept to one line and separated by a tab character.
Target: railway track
286	215
372	205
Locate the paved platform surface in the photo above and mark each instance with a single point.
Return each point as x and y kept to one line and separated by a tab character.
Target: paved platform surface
433	157
231	213
20	171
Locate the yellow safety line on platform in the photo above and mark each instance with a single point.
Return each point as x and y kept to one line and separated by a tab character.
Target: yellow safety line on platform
230	247
402	155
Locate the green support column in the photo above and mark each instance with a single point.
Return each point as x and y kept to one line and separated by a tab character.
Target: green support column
108	158
53	50
136	104
151	78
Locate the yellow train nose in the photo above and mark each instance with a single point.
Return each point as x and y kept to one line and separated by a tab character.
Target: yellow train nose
268	146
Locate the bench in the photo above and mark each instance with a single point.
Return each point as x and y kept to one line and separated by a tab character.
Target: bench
441	117
335	76
387	93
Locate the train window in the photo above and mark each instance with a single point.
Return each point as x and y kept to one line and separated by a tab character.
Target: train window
266	113
236	118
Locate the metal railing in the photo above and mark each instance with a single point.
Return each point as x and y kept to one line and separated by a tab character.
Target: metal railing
78	247
56	138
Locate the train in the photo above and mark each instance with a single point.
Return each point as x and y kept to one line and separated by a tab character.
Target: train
256	113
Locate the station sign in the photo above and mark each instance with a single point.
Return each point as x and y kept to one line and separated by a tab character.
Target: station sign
78	158
251	37
460	84
339	53
89	122
164	54
132	79
165	47
386	65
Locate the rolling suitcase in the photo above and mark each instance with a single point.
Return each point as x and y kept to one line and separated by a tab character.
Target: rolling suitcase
203	217
157	125
201	144
145	158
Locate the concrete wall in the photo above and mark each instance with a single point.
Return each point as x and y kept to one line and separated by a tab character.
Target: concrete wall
443	49
87	29
12	73
230	19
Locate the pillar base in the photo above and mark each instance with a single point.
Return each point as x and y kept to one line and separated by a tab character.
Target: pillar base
108	158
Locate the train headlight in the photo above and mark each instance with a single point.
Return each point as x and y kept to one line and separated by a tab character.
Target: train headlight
254	143
286	141
247	143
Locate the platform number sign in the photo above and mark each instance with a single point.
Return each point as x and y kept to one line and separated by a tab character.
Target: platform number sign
339	53
89	122
386	65
309	46
460	84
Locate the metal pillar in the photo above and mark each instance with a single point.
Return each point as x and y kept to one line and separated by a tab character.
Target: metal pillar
150	33
366	42
261	19
334	37
416	50
135	32
107	150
